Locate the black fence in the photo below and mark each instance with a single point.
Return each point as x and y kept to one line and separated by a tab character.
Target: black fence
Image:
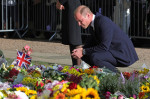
43	19
14	17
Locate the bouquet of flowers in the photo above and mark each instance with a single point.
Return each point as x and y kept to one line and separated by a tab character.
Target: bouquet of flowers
54	74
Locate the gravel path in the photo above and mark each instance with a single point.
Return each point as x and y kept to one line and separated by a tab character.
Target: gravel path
55	52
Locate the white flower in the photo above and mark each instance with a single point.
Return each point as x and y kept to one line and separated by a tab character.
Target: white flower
21	95
45	94
1	95
4	86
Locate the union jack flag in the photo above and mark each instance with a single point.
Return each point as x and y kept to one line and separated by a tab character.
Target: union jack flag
23	60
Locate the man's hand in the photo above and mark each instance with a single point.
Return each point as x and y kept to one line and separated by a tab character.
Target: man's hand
77	53
59	6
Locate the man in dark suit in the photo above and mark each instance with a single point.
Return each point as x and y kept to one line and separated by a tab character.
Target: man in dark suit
71	31
108	46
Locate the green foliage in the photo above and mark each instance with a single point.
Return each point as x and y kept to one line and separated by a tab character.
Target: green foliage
88	82
54	75
109	83
130	87
114	83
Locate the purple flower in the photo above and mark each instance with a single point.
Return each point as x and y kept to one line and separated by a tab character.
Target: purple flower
122	77
17	85
60	68
146	76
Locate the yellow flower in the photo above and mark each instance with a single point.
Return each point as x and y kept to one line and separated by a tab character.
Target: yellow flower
34	82
8	89
64	88
55	94
23	89
65	69
90	94
36	75
11	66
147	84
4	93
56	87
78	96
145	71
30	92
89	71
74	92
95	78
145	88
26	80
33	97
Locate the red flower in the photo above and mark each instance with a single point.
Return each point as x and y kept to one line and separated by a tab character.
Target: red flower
95	66
72	86
39	90
41	84
47	81
13	72
37	84
126	75
141	95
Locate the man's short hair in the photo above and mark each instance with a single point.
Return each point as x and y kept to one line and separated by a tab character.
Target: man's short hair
84	10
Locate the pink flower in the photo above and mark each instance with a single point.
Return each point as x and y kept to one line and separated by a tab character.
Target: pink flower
29	53
107	95
120	97
27	47
134	96
27	50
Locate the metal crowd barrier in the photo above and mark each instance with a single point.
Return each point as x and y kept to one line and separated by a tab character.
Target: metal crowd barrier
132	16
140	19
46	18
14	17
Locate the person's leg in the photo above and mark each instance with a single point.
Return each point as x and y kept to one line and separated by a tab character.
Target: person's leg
74	61
87	59
104	59
101	59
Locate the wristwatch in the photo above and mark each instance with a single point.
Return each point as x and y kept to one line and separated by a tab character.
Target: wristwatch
83	52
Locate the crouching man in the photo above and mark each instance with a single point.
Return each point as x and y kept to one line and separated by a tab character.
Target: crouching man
108	45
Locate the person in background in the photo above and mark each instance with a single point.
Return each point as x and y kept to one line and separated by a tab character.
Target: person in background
108	45
71	32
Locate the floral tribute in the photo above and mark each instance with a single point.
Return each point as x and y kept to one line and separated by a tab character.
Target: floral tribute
66	82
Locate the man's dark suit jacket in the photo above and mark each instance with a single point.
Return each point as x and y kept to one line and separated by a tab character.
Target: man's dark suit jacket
107	36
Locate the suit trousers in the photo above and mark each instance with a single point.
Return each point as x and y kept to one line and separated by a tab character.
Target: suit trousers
101	59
